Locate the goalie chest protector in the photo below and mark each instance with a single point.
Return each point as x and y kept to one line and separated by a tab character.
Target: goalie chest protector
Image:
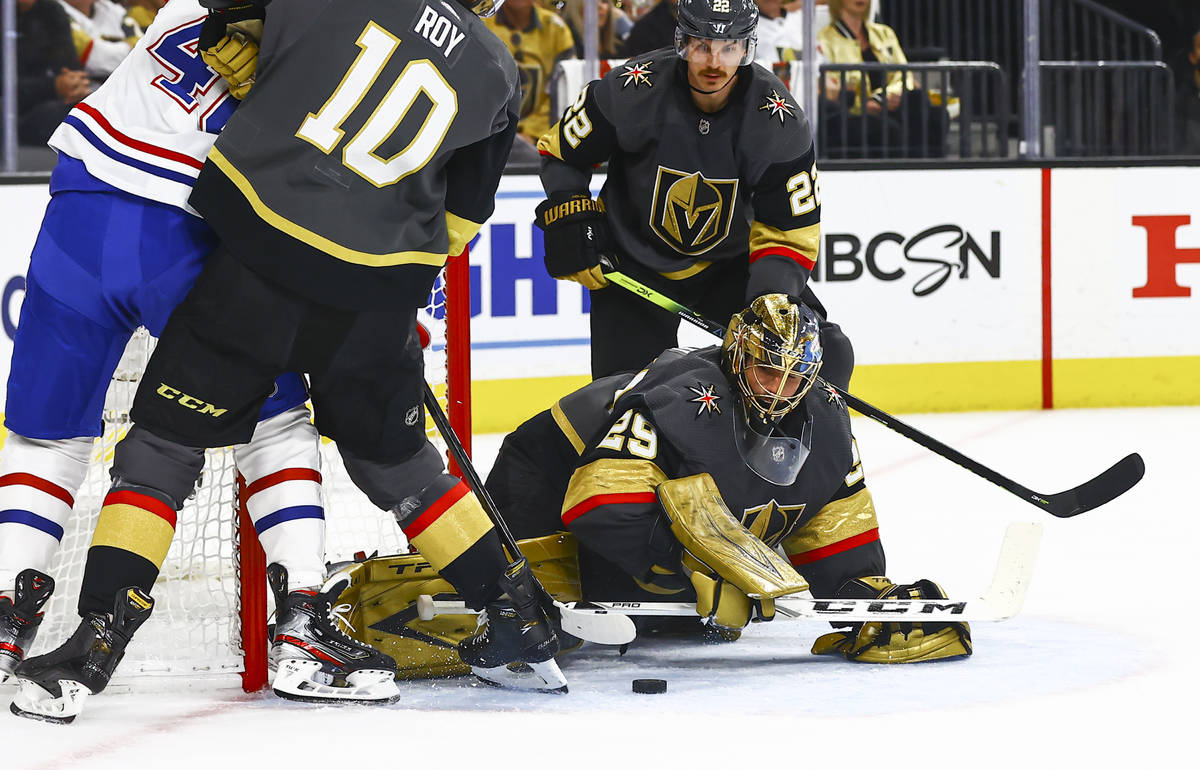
687	398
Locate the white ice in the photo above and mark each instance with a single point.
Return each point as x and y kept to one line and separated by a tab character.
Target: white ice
1099	670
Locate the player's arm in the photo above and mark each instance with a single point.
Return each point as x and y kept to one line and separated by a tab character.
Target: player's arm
841	541
611	506
576	234
785	235
472	176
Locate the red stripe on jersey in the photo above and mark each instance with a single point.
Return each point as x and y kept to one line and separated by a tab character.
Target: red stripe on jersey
433	512
83	57
38	483
12	648
145	502
598	500
278	477
808	557
781	251
137	144
314	651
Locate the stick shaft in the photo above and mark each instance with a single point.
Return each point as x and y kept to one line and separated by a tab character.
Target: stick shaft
1091	494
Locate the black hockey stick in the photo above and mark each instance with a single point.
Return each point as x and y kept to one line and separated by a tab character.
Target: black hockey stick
1115	481
602	629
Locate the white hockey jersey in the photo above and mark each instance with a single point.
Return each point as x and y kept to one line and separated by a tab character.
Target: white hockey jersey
149	127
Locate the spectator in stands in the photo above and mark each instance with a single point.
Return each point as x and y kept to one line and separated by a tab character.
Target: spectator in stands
144	11
104	34
654	30
606	21
538	39
780	31
49	78
899	119
1186	65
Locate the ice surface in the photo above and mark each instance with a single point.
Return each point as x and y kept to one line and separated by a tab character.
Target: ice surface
1097	671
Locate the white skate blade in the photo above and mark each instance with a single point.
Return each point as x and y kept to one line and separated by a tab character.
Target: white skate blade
541	677
307	680
35	702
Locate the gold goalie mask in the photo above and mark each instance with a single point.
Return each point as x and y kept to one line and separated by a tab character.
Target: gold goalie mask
772	353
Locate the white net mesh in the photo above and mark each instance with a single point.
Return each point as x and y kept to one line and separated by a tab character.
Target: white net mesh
194	632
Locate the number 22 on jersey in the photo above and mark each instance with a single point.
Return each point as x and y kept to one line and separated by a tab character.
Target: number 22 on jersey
420	76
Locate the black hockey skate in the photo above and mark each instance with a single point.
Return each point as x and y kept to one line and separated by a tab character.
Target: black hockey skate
515	644
19	620
54	686
314	659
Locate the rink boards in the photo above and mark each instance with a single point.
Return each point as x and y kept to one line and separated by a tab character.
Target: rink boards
962	289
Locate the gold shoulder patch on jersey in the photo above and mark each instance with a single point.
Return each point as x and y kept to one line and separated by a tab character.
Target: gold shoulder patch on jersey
636	74
778	106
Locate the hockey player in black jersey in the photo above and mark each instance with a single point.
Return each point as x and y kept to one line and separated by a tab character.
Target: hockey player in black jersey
368	148
712	194
746	423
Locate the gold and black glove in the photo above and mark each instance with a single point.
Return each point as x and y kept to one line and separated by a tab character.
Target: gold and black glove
229	44
576	236
895	642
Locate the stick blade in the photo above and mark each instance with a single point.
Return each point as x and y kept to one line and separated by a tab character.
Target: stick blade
1106	487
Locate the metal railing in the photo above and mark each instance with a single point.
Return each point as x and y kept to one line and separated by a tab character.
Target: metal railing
961	111
1071	30
1092	109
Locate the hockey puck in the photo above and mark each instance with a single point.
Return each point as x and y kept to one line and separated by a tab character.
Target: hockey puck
649	686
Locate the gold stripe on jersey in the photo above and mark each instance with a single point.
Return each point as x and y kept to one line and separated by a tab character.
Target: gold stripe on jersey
611	477
803	240
548	144
839	520
307	236
461	231
454	531
564	424
134	529
687	272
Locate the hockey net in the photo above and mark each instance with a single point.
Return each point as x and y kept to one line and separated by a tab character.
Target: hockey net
209	624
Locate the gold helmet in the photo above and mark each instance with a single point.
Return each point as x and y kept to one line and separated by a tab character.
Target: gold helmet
772	350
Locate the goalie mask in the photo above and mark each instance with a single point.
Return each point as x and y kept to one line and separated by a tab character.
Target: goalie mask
772	351
482	8
708	27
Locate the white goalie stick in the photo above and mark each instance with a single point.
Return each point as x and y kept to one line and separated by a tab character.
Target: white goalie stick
1003	599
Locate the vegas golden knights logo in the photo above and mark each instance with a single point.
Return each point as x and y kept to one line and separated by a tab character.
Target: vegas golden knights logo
531	85
772	522
691	213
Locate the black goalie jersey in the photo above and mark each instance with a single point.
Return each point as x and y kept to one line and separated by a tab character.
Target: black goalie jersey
591	465
686	188
369	148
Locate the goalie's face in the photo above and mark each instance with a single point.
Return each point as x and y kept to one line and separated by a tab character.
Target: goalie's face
774	390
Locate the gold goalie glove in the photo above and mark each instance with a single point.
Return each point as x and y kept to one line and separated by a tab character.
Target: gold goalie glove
382	597
895	642
737	577
229	45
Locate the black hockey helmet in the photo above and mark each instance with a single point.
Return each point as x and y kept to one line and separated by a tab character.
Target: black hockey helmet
717	20
483	8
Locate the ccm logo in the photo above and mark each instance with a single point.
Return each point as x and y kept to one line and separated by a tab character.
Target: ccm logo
203	407
1163	256
924	608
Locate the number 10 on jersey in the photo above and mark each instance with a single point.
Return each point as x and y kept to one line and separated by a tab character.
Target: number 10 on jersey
420	76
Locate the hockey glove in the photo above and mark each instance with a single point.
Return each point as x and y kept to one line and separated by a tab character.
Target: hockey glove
229	45
895	642
576	236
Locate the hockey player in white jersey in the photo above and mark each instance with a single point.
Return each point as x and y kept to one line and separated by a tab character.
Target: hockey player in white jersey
119	248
